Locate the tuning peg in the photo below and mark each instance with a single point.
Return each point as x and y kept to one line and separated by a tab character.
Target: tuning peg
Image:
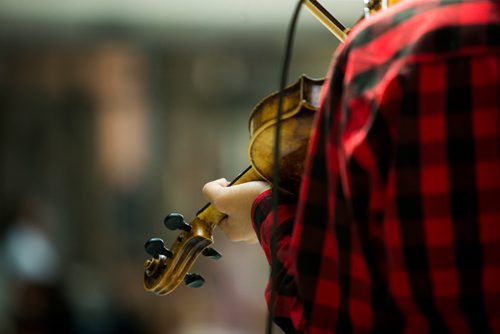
211	253
155	247
193	280
175	221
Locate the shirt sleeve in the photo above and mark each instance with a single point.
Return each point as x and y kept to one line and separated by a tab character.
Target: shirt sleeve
286	309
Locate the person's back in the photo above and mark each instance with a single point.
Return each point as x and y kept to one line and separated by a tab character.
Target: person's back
417	205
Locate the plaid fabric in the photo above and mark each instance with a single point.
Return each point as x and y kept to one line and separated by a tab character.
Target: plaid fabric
397	227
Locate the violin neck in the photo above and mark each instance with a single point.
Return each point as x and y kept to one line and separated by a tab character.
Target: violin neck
327	19
249	174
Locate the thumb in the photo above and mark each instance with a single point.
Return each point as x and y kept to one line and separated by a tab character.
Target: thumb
222	182
214	188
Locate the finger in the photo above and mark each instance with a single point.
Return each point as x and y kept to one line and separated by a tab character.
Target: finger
222	181
214	188
229	229
223	224
253	240
235	232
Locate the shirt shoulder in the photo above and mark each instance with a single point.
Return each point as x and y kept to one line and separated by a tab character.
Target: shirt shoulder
431	14
418	31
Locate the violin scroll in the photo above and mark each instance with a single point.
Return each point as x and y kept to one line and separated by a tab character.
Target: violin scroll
169	267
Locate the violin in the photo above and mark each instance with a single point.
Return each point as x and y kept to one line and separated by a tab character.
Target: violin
169	267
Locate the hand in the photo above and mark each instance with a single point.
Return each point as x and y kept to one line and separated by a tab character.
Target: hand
236	202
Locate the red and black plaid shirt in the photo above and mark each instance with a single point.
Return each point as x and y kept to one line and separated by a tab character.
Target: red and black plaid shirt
397	227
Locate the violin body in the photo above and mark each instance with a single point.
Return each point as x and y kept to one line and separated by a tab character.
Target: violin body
168	268
300	103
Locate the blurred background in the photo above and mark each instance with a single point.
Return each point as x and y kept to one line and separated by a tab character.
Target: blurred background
113	114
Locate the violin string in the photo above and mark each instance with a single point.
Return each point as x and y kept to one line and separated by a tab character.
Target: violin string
276	163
